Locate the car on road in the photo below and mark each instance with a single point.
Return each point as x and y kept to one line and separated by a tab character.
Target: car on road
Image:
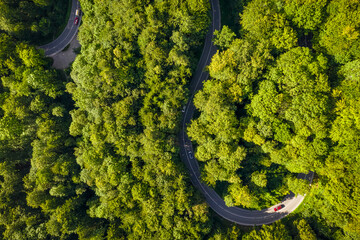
184	108
191	155
76	21
77	12
278	208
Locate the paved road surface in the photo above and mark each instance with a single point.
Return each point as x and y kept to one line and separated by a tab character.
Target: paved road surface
233	214
66	36
63	59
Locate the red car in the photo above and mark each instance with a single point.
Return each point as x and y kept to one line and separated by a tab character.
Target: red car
278	208
76	21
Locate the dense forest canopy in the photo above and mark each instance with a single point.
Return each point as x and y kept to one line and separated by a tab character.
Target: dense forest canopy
103	162
92	152
129	86
35	145
282	100
33	20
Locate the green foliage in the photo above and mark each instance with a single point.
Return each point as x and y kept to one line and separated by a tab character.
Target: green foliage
240	196
259	179
340	34
32	20
292	108
305	232
129	86
225	232
276	231
106	165
29	140
224	37
298	186
307	15
341	166
265	19
41	195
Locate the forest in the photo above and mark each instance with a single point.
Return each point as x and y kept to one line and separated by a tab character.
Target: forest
92	152
37	21
283	99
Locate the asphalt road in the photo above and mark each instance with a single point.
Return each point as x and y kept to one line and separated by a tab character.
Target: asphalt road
66	36
233	214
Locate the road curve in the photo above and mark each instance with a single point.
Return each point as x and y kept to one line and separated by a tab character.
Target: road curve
233	214
66	36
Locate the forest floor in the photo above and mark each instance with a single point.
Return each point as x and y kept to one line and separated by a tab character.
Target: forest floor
64	58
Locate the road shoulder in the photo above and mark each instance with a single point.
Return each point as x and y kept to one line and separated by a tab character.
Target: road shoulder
63	59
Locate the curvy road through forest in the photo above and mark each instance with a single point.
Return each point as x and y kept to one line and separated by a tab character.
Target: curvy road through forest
233	214
66	36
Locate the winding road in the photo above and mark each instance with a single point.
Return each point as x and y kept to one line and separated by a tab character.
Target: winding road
233	214
66	36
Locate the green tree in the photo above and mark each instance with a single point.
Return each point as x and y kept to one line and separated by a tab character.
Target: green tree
259	178
305	232
307	15
224	37
298	186
273	231
340	33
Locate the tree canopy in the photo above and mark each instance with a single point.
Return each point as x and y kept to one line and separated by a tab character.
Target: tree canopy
285	90
92	152
33	20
